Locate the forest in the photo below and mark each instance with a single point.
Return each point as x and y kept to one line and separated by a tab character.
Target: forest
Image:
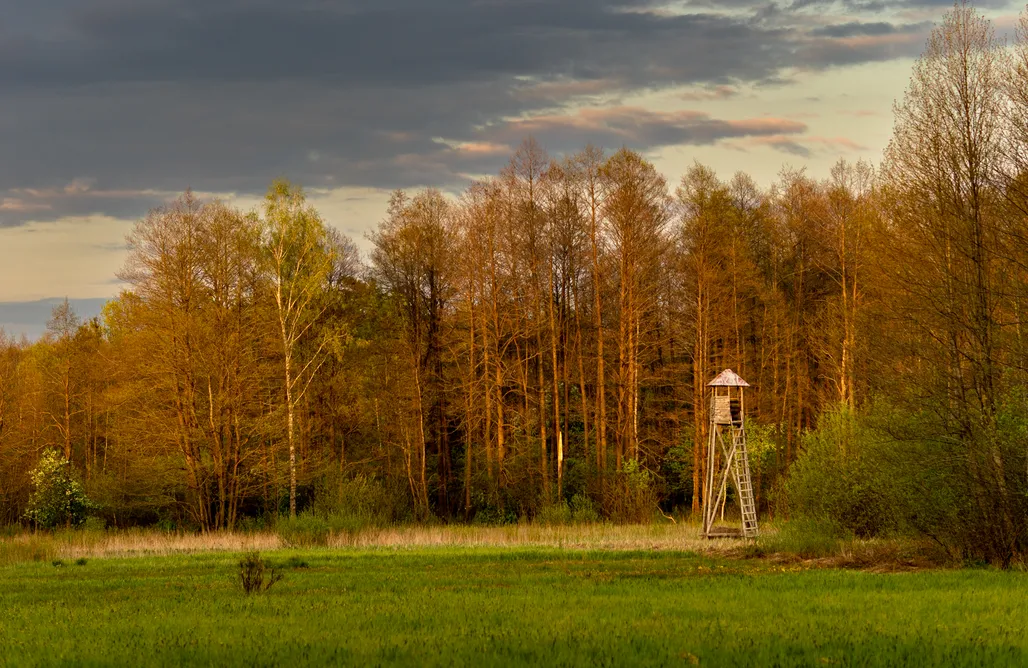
537	347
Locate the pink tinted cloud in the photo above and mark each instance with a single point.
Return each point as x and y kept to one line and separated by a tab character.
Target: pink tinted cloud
19	205
483	148
645	127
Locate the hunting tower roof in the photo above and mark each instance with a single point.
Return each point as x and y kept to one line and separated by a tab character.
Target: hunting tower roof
728	378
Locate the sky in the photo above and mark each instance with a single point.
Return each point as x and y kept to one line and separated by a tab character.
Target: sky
111	107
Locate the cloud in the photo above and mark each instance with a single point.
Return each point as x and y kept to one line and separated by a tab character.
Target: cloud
76	198
805	146
636	127
389	43
710	93
854	42
856	28
123	101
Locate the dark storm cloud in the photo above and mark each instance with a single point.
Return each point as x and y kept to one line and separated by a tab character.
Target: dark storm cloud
409	42
140	97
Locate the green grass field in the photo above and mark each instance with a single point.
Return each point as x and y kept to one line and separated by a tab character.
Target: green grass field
467	606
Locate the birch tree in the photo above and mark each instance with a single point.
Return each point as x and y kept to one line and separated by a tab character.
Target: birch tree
299	263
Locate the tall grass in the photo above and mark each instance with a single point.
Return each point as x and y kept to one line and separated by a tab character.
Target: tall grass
74	544
803	540
305	533
27	547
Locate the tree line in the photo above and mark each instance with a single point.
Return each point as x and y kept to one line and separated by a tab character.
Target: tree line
544	339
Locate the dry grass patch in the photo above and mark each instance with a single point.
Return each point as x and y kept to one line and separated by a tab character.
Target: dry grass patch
127	543
873	555
678	537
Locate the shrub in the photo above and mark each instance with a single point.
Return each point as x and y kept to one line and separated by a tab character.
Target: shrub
676	473
554	513
94	523
254	575
58	499
583	510
493	509
630	495
350	504
838	476
806	537
490	514
580	510
308	529
962	485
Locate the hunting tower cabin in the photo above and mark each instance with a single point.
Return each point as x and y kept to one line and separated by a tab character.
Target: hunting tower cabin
727	458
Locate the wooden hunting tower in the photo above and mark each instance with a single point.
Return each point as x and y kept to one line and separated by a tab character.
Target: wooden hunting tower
727	458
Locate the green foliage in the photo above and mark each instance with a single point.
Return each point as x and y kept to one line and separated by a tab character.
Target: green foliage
968	494
308	529
630	495
58	499
490	512
94	523
580	510
356	502
762	446
838	477
806	537
676	471
341	507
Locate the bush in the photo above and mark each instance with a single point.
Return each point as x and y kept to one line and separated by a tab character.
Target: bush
630	495
676	472
354	503
965	490
494	508
254	576
579	511
555	513
838	477
58	499
308	529
806	537
488	513
93	523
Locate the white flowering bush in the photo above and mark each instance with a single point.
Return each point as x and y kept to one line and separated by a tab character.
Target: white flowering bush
58	499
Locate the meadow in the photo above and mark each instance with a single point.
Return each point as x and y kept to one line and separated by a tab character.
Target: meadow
456	599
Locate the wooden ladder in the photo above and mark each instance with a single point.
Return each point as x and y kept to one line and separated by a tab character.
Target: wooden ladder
744	483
